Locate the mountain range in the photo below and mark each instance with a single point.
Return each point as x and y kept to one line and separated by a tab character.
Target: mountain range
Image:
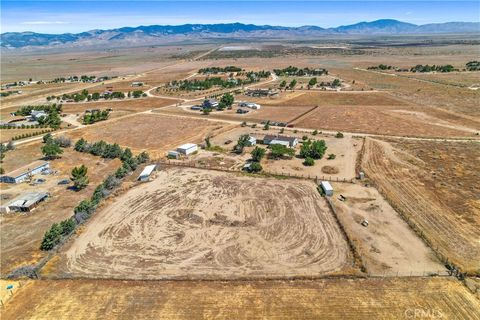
155	34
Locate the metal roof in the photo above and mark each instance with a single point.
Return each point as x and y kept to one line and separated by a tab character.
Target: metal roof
187	146
26	169
28	199
147	170
326	186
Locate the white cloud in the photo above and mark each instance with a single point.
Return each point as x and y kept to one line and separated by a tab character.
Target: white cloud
42	22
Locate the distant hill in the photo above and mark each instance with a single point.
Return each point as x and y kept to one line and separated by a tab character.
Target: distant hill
163	34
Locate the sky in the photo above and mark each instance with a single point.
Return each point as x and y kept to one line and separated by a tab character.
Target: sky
78	16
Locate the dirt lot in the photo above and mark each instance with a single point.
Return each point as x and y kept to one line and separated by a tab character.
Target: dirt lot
347	299
435	185
345	150
152	132
193	223
22	233
387	245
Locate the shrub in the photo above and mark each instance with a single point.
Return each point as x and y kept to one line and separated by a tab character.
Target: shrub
309	161
315	132
63	141
331	156
255	167
339	135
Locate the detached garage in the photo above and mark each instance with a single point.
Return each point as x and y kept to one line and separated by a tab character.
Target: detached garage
187	148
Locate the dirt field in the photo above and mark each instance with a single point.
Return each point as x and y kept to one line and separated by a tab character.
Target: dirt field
152	132
193	223
22	233
7	134
401	298
387	245
435	185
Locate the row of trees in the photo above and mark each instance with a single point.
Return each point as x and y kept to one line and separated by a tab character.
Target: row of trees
28	135
24	126
428	68
300	72
473	66
97	116
85	95
220	69
87	207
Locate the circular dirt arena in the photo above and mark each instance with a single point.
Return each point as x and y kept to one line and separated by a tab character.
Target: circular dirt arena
198	224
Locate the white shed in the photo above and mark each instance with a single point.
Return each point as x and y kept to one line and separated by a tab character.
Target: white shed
147	171
252	140
327	188
187	148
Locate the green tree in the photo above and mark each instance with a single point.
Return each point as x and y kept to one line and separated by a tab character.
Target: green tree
257	154
266	126
243	141
292	84
67	226
81	145
51	238
312	82
339	135
283	84
336	83
143	157
79	177
47	137
127	154
278	151
227	99
51	150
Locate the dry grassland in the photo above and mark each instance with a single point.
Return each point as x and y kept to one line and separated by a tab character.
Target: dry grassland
435	185
199	224
131	105
324	299
7	134
22	233
152	132
381	120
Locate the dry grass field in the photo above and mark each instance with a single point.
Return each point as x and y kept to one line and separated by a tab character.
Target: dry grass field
7	134
130	106
199	224
435	185
152	132
22	233
399	298
383	121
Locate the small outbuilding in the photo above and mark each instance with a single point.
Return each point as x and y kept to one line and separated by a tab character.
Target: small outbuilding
252	140
147	172
187	148
327	188
25	172
172	154
27	201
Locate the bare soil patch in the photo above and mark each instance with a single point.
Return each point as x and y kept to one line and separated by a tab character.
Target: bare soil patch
192	223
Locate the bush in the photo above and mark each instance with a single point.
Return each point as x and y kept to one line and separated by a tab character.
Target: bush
309	162
255	167
339	135
257	154
331	156
315	132
47	137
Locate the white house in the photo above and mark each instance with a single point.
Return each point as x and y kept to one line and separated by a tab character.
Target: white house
146	172
283	140
187	148
327	188
252	140
25	172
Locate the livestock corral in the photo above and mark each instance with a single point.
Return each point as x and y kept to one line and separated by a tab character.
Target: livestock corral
196	224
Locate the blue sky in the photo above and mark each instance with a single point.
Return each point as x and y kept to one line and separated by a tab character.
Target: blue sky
77	16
